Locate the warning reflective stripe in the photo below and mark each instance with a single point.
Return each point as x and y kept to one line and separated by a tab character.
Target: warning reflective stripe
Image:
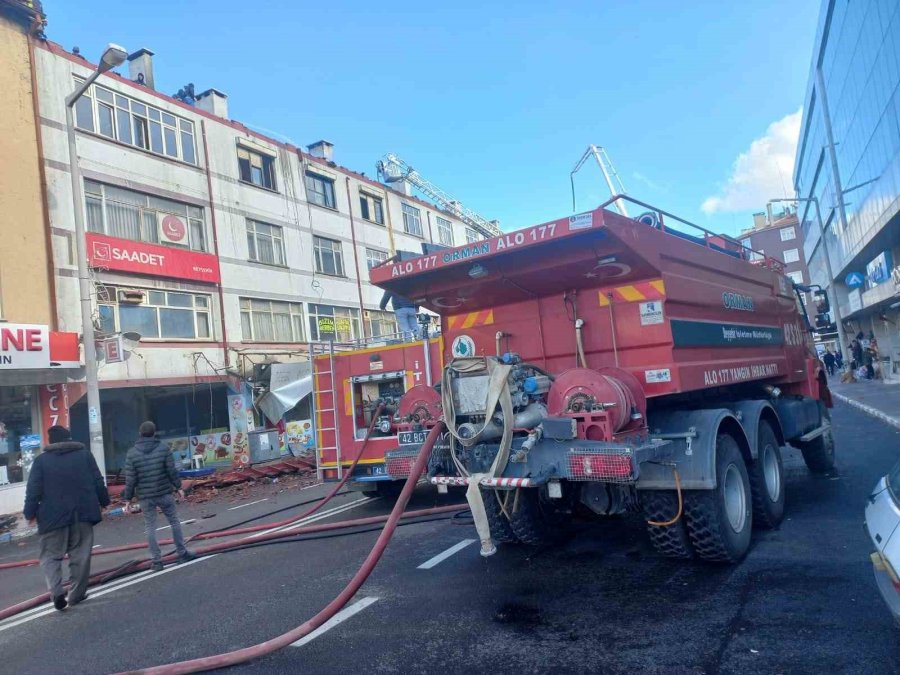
645	290
482	318
487	482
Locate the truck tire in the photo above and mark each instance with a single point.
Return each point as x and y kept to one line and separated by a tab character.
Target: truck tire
671	541
501	530
819	452
767	480
533	520
719	521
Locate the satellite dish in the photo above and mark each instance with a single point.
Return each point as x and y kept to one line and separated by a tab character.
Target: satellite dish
130	340
131	336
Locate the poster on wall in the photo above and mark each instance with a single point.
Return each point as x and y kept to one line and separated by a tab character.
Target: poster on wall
240	414
879	270
298	439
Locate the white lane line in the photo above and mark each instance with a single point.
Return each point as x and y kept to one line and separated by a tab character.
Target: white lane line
183	522
336	620
45	609
96	545
258	501
441	557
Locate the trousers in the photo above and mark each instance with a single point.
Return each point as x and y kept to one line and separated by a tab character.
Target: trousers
406	322
166	504
77	540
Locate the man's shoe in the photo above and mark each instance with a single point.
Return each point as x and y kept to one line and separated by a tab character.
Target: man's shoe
59	601
187	556
75	601
156	567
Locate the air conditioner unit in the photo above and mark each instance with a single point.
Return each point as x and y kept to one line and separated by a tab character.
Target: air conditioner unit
131	296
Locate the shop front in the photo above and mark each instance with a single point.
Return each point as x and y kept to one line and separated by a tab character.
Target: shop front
37	372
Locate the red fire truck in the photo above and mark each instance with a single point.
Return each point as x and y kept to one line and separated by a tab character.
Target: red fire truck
628	365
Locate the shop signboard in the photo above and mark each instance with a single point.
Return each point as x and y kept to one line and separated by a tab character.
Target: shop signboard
26	346
124	255
879	270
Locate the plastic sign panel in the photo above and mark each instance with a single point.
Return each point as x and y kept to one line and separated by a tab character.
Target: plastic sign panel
172	229
124	255
879	270
24	345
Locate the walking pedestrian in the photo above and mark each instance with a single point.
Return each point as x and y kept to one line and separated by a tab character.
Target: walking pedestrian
150	475
839	360
65	496
828	358
856	352
405	310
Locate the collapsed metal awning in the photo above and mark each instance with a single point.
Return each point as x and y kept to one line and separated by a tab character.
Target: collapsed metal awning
289	384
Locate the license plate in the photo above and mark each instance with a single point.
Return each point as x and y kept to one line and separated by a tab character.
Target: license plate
412	437
379	470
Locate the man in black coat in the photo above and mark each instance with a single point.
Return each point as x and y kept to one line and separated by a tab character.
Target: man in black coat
150	474
65	496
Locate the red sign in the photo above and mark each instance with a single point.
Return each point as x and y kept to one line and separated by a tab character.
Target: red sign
56	401
172	229
124	255
34	347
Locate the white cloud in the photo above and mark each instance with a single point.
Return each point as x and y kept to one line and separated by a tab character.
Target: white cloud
762	173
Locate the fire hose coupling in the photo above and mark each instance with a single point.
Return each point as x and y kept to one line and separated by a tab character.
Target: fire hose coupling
534	437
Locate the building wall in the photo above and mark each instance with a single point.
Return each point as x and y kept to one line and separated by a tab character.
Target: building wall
858	47
25	293
774	241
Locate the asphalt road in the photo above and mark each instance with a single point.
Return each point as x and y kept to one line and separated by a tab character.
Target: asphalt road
804	600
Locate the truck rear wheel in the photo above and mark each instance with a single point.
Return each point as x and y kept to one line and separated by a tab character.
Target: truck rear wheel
533	520
719	520
672	541
767	480
501	530
819	452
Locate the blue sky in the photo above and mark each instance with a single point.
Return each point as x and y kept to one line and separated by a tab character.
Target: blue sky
695	101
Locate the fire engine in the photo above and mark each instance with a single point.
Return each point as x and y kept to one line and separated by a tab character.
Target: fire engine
602	364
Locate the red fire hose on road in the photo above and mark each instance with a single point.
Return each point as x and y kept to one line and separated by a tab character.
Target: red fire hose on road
269	646
241	530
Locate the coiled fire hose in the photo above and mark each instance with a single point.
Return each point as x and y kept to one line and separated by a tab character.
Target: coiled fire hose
498	395
234	531
358	579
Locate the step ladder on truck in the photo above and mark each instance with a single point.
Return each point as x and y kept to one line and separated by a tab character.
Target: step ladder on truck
358	388
630	365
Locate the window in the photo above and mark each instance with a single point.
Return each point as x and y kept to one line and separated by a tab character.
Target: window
158	314
375	257
329	257
412	220
271	320
256	168
791	255
126	120
20	443
127	214
320	190
757	256
796	277
381	324
340	324
472	235
788	233
265	243
445	231
371	207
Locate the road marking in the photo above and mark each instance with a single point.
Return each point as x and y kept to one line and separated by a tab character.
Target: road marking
45	609
441	557
258	501
183	522
96	545
336	620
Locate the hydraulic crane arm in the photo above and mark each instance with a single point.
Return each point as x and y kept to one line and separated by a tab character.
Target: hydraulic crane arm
609	173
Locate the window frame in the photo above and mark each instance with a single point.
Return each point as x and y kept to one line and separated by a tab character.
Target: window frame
444	225
310	179
110	301
796	253
336	249
791	229
295	314
349	313
277	238
130	113
472	235
377	257
382	319
411	212
266	168
371	207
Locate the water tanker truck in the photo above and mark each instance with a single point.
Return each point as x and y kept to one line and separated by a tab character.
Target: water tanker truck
600	364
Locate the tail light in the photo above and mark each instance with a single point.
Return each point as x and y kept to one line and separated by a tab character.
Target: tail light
881	563
610	468
398	463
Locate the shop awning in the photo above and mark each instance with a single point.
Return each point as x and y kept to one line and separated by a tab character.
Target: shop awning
289	384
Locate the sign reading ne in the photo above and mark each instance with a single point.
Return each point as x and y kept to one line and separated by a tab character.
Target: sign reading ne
125	255
24	345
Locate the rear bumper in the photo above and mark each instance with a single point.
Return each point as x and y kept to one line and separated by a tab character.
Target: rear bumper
886	587
489	482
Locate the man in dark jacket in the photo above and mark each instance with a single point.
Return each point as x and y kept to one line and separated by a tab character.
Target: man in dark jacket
65	495
405	311
150	475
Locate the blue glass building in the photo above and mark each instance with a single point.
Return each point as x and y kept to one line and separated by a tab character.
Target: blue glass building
854	84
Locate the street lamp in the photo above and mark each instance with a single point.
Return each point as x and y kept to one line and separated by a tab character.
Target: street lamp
838	320
112	57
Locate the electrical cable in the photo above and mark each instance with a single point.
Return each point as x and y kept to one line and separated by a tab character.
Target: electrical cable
667	523
358	579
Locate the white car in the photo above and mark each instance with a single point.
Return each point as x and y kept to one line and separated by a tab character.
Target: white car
883	525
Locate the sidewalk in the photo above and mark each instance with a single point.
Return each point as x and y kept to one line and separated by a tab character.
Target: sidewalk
875	397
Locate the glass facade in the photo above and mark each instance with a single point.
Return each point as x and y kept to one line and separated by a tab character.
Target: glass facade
858	51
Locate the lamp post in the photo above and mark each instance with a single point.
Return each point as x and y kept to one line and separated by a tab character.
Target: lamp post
835	308
113	56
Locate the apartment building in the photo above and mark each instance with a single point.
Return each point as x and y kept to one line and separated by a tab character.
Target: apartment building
213	247
778	239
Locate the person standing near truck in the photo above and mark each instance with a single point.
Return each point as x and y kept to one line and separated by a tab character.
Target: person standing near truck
405	310
828	358
150	474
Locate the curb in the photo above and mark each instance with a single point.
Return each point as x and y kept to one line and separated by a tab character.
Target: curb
874	412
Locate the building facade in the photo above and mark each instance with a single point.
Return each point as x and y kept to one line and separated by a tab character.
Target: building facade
214	249
778	239
852	107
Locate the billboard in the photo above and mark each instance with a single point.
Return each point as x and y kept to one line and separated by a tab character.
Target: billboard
124	255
